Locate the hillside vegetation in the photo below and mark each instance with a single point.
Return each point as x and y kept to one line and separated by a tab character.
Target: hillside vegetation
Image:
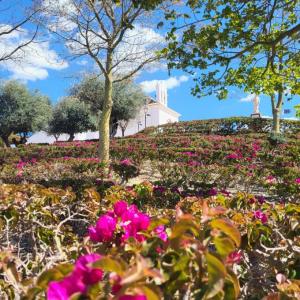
218	214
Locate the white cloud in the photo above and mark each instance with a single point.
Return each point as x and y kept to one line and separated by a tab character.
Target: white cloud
31	62
248	98
82	62
149	86
139	45
58	11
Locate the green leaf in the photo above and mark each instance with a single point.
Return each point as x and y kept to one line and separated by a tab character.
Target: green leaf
54	274
232	286
151	292
156	222
216	275
224	245
228	228
184	226
110	265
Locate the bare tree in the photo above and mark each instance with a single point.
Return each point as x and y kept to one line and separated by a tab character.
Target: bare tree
113	34
123	124
14	17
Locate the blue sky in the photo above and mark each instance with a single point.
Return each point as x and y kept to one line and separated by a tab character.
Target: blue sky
45	71
57	83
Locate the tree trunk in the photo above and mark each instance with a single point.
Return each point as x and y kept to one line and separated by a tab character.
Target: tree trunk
123	132
71	138
6	141
276	111
104	128
276	121
113	128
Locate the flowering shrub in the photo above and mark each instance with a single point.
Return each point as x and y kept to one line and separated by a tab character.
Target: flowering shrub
130	253
126	169
130	222
217	215
82	276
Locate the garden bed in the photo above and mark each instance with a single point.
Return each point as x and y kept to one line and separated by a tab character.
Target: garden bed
177	217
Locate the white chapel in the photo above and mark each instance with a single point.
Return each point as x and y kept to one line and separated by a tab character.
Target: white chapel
155	112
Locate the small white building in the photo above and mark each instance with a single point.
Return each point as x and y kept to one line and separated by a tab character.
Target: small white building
153	113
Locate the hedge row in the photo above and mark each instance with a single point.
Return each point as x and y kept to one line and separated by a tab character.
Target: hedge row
226	126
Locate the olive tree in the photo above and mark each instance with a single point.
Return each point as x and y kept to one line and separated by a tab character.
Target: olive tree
71	116
22	111
114	35
127	99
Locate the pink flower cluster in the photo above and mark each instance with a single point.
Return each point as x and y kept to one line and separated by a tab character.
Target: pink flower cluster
126	162
21	164
129	219
74	143
259	215
234	156
297	180
189	154
78	281
81	278
234	257
270	179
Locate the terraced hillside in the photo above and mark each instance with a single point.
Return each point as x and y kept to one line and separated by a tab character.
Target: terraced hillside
218	213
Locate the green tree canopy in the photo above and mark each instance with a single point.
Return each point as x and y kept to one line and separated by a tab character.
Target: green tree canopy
22	111
115	35
127	97
71	116
250	44
297	107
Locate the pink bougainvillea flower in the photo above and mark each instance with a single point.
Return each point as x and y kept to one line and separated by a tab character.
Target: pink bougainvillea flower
143	222
89	275
226	193
213	192
139	220
78	281
120	208
190	154
159	189
134	221
104	229
252	200
64	289
297	180
129	219
126	162
260	199
258	214
115	280
21	164
281	278
194	163
270	179
161	233
234	257
256	147
234	156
